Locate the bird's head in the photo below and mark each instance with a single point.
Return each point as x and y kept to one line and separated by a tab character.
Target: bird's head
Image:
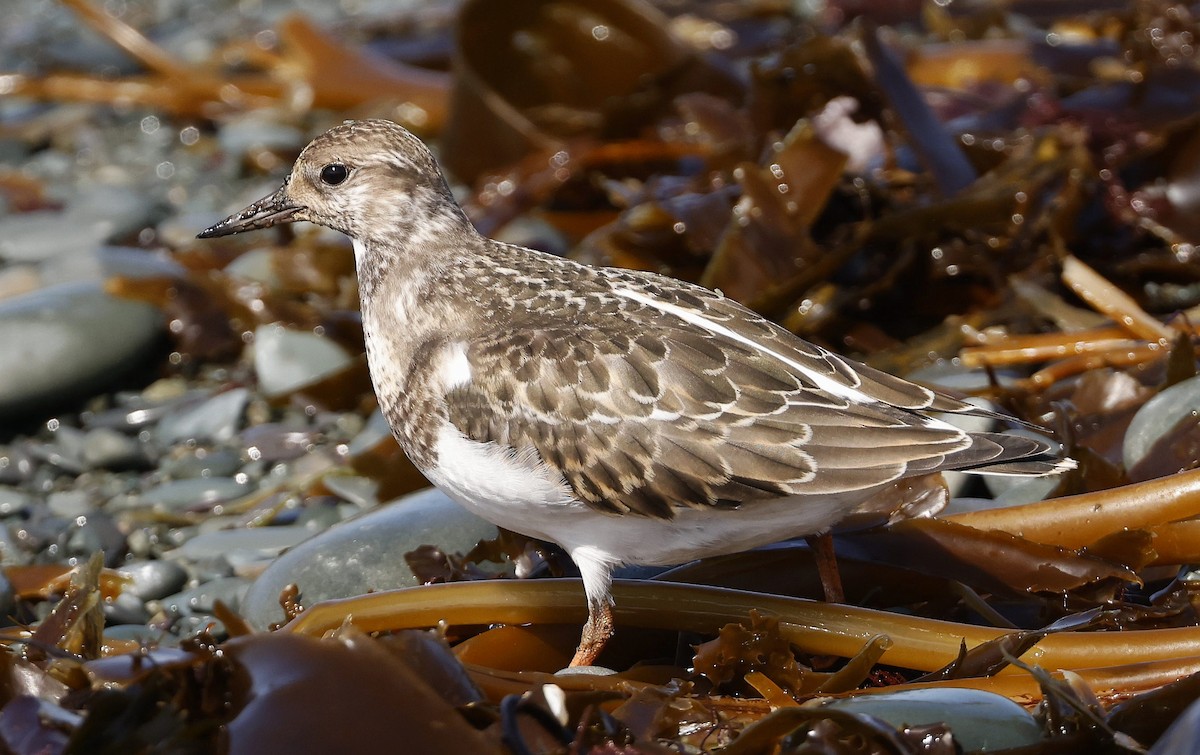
367	179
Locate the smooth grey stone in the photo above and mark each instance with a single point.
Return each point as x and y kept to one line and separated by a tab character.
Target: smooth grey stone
200	599
216	419
197	492
1018	491
105	447
42	234
13	501
139	412
965	504
1158	416
202	462
255	265
11	551
357	490
981	721
133	262
286	360
242	546
108	262
52	454
273	441
140	542
16	465
146	635
69	339
151	580
951	375
365	553
69	503
318	517
123	210
370	436
125	608
192	625
208	569
69	441
96	531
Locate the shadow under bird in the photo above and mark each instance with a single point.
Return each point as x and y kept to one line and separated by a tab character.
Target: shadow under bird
629	417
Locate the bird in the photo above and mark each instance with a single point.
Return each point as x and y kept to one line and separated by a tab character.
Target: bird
629	417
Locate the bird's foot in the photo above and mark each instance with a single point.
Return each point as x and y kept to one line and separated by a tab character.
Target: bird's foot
596	633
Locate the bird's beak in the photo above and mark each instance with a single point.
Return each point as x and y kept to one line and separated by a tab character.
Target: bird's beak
266	212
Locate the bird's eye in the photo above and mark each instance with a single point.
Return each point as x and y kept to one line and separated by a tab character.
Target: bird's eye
334	174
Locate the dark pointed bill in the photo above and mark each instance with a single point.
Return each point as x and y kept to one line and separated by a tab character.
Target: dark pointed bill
264	213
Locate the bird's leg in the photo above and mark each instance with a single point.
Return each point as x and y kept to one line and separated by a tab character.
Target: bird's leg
596	569
826	560
596	633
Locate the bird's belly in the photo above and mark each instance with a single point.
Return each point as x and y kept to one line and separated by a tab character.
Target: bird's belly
518	492
512	490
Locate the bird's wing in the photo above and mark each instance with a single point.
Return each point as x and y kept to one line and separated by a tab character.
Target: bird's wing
673	414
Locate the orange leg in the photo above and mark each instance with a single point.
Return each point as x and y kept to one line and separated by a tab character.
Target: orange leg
596	633
826	560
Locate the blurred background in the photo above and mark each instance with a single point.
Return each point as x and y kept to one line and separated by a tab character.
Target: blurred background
999	198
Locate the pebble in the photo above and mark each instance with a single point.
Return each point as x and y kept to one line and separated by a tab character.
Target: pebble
376	429
357	490
365	553
152	580
140	633
240	547
69	504
286	360
981	721
215	419
110	449
69	340
202	462
274	442
319	516
200	599
95	531
255	265
42	234
1158	416
180	495
125	608
14	502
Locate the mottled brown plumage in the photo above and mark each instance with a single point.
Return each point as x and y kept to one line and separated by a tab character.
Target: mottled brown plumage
632	418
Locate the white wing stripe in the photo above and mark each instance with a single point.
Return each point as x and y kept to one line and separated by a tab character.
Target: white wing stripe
698	319
823	382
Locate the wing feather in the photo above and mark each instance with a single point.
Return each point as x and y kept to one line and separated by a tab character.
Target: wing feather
684	415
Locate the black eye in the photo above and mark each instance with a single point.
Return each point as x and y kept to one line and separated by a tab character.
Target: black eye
334	173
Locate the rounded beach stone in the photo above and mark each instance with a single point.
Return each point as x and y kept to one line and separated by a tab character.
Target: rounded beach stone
365	553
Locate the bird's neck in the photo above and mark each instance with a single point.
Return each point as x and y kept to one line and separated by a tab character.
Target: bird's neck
412	294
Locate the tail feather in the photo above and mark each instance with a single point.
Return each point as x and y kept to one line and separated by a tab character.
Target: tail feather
1009	454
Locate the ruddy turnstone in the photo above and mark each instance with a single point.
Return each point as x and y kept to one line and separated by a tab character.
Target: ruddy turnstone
629	417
